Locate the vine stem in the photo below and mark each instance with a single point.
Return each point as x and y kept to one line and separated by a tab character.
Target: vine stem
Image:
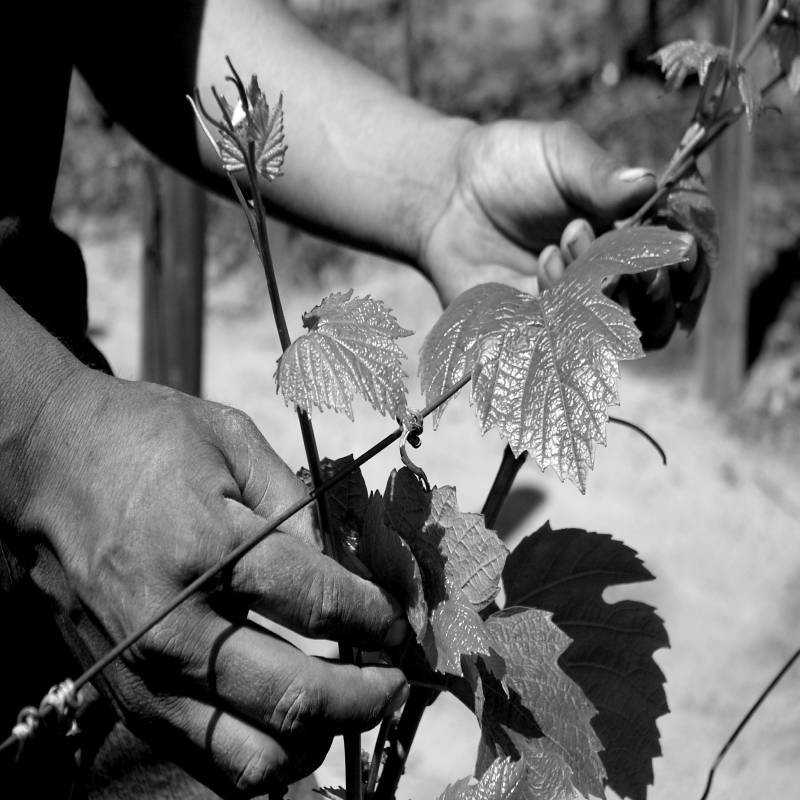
419	699
243	549
510	465
352	741
769	15
747	717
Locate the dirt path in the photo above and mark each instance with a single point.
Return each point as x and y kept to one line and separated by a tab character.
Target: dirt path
720	527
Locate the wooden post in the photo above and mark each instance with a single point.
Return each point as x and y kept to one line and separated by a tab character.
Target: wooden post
173	279
723	322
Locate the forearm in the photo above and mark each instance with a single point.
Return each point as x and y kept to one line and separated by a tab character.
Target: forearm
365	163
34	368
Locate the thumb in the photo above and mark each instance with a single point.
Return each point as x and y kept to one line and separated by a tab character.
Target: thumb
595	182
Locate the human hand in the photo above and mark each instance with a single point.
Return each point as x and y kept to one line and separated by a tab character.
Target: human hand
134	490
518	184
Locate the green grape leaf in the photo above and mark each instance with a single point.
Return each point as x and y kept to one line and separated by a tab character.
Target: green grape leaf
689	208
450	351
784	40
544	717
628	252
350	348
470	555
393	566
546	384
680	59
347	503
611	654
460	563
257	124
544	369
503	780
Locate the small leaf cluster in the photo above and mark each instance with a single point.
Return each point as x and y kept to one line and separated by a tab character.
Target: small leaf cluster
687	57
544	368
536	672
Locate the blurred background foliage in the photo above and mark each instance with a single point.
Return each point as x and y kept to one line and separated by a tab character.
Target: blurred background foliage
536	59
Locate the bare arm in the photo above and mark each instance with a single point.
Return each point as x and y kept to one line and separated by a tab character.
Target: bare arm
366	165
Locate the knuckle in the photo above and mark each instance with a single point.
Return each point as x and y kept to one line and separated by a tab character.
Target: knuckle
257	773
171	644
239	423
325	605
299	706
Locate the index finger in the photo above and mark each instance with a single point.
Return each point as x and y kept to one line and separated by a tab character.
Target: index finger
310	593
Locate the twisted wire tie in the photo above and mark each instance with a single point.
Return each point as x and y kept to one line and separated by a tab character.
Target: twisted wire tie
62	699
412	428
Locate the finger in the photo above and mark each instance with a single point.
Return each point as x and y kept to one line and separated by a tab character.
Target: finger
576	239
551	267
592	180
266	483
229	754
304	590
287	693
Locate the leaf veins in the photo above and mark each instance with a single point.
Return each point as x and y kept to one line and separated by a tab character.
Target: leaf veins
443	564
611	653
350	348
503	780
257	124
544	369
544	717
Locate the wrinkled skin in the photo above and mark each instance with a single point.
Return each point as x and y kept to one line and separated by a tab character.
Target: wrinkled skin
135	490
239	707
518	187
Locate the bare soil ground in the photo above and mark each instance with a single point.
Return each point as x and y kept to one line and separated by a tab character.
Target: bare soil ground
719	527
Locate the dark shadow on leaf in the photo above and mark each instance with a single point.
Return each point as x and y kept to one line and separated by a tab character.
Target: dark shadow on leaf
503	712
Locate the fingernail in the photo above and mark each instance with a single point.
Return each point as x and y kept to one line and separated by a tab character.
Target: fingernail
398	700
396	633
551	264
577	241
633	174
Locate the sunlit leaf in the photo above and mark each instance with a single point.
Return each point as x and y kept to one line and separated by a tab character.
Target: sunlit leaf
544	717
628	252
460	562
471	556
611	654
450	351
503	780
686	57
544	369
349	349
784	39
259	125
